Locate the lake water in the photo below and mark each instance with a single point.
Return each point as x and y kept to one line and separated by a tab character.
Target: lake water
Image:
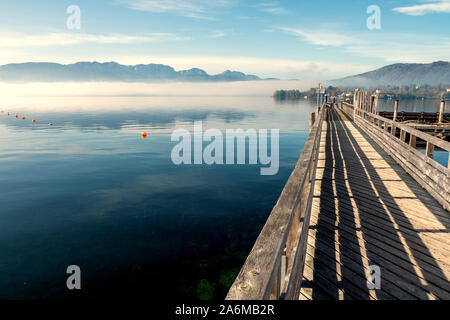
413	105
89	191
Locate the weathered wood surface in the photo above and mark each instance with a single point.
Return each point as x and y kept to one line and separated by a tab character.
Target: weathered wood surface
274	266
347	108
428	173
367	210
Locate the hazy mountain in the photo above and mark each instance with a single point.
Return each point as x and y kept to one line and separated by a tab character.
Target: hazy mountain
402	74
110	71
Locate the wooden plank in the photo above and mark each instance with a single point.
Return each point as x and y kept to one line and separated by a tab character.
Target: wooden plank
390	239
404	268
391	284
381	220
393	273
416	212
400	256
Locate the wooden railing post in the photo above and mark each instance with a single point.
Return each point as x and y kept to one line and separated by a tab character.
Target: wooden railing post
377	96
367	101
372	104
275	292
412	141
429	150
448	162
355	103
312	119
441	112
403	135
283	268
395	110
393	130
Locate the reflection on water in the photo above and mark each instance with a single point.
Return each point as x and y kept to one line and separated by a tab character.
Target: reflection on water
90	191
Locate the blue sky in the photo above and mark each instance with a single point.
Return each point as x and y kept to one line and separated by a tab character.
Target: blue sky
283	39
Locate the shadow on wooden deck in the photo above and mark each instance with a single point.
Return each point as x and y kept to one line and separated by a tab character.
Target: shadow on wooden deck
371	212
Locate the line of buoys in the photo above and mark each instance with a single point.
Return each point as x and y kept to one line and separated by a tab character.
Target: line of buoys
143	133
23	117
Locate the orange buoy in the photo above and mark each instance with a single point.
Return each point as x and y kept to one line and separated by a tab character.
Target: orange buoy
23	118
17	116
34	121
144	135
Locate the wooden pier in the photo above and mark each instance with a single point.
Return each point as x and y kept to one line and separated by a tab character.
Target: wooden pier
360	198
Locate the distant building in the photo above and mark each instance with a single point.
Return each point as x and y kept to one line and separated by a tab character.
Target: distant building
448	89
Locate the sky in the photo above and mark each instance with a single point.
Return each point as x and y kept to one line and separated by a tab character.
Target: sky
292	39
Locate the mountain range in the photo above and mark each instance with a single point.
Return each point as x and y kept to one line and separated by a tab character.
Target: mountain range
402	74
396	74
111	71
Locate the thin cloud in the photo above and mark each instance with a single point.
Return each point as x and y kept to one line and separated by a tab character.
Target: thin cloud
441	6
402	47
320	37
196	9
404	52
217	34
271	7
68	39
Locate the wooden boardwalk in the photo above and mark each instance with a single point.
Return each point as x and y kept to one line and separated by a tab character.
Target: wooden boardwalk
367	210
363	202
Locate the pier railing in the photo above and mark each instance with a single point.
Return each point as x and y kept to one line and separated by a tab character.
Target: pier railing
274	268
399	140
347	108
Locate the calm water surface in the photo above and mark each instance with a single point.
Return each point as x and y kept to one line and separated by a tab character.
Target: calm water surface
89	191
